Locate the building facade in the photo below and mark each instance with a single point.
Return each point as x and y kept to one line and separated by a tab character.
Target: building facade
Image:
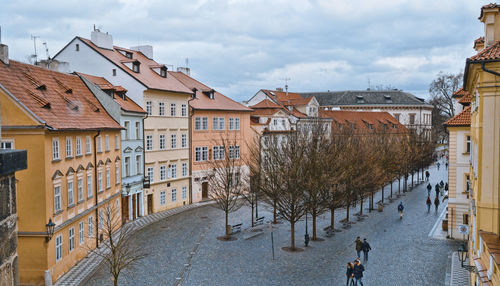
164	98
73	148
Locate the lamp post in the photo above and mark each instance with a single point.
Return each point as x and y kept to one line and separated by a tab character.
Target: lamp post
306	236
50	230
462	256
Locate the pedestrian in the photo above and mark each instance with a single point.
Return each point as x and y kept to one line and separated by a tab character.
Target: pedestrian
366	248
349	272
429	203
441	184
436	189
438	164
446	164
427	174
358	272
401	210
429	188
359	246
436	203
446	188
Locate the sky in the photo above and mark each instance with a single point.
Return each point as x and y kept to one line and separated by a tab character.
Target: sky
240	46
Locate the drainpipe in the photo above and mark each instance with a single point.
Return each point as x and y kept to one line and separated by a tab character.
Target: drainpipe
190	128
144	161
95	192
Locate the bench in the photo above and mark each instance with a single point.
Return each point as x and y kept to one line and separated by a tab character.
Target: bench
329	231
259	221
236	228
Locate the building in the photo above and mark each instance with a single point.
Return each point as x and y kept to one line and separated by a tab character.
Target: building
215	120
459	147
131	116
364	122
73	149
409	110
482	83
165	99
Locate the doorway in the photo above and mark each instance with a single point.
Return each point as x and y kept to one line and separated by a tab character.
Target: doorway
204	190
124	209
150	204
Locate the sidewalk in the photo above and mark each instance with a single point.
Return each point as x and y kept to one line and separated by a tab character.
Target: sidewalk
459	276
86	267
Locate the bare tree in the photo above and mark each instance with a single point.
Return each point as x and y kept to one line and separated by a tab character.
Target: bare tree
254	163
118	246
442	89
269	170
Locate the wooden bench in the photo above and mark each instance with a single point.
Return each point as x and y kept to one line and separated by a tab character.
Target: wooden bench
236	228
259	221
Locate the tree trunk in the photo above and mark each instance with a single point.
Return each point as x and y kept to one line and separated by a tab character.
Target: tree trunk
371	200
274	213
292	234
347	213
391	190
361	207
383	194
115	280
314	226
332	218
412	179
252	215
227	226
399	185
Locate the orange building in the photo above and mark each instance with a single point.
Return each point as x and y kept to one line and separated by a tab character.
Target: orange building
73	169
214	118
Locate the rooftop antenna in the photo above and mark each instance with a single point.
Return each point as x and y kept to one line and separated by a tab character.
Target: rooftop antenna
187	62
34	46
286	79
46	50
369	86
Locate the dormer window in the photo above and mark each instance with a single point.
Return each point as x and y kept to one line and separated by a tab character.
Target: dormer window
388	98
360	99
77	47
209	93
128	55
135	67
163	72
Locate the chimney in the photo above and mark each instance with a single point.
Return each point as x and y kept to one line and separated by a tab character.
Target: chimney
4	54
184	70
146	50
490	16
479	44
102	40
279	89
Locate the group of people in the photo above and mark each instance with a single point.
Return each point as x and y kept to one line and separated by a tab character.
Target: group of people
354	272
438	191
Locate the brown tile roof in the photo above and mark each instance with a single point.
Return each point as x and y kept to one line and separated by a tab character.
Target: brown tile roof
364	121
146	76
202	101
126	103
479	40
465	100
266	103
282	98
461	119
490	53
459	93
266	111
62	100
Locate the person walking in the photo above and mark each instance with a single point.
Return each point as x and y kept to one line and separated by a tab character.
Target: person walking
349	272
429	203
366	248
446	164
441	184
436	203
436	189
427	174
446	188
438	164
358	272
429	188
359	246
401	210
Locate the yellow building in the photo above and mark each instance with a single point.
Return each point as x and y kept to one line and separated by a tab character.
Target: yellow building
73	173
482	81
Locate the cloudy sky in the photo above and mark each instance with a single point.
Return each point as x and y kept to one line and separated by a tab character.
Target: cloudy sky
241	46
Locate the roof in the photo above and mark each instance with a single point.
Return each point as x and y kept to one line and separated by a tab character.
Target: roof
461	119
459	93
62	100
267	111
286	98
266	103
490	53
488	6
147	76
202	101
364	121
125	102
478	41
365	97
466	99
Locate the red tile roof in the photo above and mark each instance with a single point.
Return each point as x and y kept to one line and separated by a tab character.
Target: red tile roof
62	100
146	76
202	101
126	103
461	119
364	121
459	93
479	41
490	53
283	98
266	103
466	99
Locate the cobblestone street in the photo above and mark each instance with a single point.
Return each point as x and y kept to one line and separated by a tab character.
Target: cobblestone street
185	251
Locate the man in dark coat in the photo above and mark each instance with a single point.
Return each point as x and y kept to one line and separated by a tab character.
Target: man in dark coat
436	188
359	246
366	248
358	273
427	174
429	188
436	203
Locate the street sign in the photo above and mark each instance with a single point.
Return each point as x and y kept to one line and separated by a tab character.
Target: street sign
463	229
146	182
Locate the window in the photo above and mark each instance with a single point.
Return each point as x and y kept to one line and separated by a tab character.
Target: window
118	207
77	47
218	152
161	108
149	142
138	130
467	148
412	118
79	186
163	172
80	233
183	140
204	153
89	186
99	181
184	110
197	123
55	149
197	154
138	164
87	145
114	72
163	72
162	198
57	199
149	107
135	67
90	226
396	115
71	239
465	218
201	123
172	109
127	130
184	169
117	143
184	193
201	154
108	179
173	171
173	140
151	174
234	123
7	145
162	141
69	147
98	141
71	199
106	141
78	146
174	195
237	124
101	218
234	152
204	123
218	123
58	247
117	174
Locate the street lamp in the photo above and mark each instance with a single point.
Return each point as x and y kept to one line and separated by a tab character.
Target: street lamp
127	186
306	236
50	230
462	256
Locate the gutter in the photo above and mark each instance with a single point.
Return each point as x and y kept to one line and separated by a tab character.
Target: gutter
190	129
96	192
144	163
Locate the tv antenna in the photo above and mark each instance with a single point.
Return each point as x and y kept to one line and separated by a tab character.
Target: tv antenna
46	50
286	79
34	47
187	62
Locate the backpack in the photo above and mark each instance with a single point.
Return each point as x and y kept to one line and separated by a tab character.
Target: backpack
400	207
